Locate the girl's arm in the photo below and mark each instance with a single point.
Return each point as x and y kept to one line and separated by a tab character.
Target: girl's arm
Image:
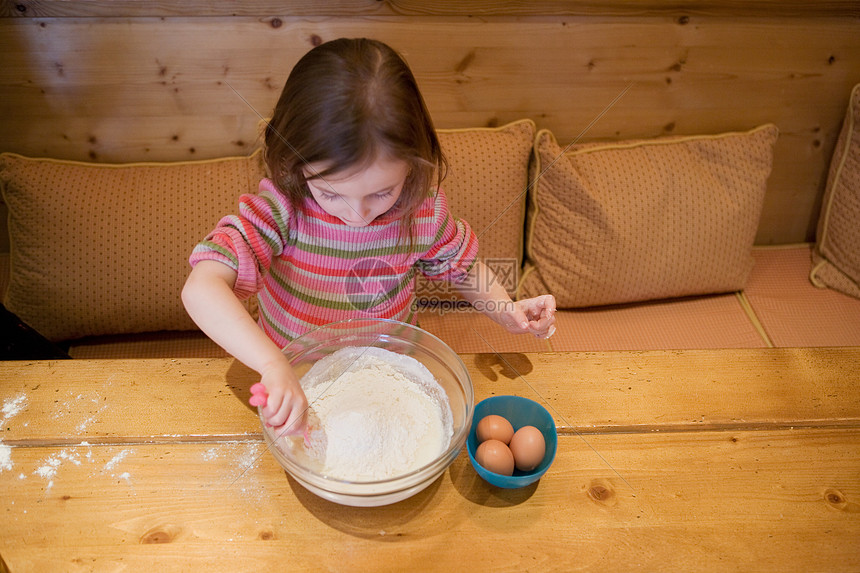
486	294
208	297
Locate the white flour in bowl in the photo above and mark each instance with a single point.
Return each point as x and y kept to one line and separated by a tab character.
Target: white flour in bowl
383	414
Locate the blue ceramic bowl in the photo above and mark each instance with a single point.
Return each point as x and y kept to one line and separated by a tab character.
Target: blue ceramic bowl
519	412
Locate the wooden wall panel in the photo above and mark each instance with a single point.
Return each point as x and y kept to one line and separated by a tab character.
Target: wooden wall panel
123	87
480	8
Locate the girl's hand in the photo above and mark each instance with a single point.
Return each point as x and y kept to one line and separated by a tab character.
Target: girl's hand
284	404
535	315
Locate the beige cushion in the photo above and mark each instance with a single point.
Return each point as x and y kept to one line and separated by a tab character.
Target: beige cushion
638	220
836	258
486	186
103	249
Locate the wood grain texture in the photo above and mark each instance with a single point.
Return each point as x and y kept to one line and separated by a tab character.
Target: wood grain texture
155	89
108	468
93	401
617	392
774	501
482	8
734	8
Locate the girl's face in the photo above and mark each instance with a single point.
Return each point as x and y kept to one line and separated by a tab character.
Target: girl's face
357	197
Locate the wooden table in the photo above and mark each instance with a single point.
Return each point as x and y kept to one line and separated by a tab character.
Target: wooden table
674	461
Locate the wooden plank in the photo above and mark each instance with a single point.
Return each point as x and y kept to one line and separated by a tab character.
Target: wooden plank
74	55
667	391
93	400
764	501
178	400
482	8
130	90
150	8
525	8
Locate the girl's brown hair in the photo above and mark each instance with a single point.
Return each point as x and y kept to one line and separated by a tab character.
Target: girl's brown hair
346	103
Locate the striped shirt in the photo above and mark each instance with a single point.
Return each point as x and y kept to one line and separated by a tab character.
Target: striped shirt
308	268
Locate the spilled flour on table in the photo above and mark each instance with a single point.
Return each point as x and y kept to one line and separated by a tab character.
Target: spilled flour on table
11	408
83	425
210	454
116	459
243	456
243	459
65	405
50	467
52	464
5	457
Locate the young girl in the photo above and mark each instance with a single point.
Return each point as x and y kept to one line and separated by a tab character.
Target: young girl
353	198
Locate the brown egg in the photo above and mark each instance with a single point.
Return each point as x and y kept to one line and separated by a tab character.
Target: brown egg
496	457
494	427
528	448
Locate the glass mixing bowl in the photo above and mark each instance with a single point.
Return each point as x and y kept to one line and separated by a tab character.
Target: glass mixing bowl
401	338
